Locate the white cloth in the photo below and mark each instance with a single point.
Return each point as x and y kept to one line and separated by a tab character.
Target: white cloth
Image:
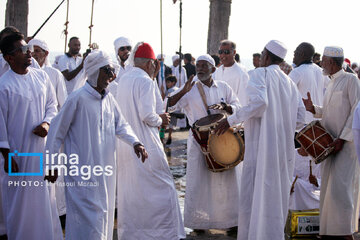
26	101
71	63
356	130
333	51
181	80
43	45
87	124
306	195
278	48
58	82
211	199
206	57
269	154
4	66
236	77
148	206
309	78
340	173
121	71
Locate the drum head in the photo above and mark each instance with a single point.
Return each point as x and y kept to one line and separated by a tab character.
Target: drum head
227	149
208	120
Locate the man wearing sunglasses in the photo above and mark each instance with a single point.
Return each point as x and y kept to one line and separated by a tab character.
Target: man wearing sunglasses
88	124
71	65
122	47
27	107
230	72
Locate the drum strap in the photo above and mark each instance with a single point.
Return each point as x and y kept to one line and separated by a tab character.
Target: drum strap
203	96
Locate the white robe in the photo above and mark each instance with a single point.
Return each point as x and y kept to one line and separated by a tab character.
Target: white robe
87	124
26	101
236	77
148	206
183	78
309	78
70	64
58	82
275	108
306	195
211	199
340	173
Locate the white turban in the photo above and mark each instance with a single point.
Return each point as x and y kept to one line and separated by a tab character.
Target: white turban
159	56
276	47
92	64
175	57
207	58
41	44
121	42
333	51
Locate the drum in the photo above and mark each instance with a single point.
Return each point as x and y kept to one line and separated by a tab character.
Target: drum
221	152
314	139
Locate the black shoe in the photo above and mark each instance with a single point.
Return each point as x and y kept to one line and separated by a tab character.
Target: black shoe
168	142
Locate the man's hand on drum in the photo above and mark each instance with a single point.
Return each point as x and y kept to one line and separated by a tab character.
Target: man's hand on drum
337	144
165	117
222	106
140	150
222	127
313	180
309	106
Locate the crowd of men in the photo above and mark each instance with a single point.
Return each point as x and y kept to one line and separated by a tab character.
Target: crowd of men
103	118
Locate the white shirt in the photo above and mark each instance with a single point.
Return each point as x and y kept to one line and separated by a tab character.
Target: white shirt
71	63
58	82
309	78
237	78
180	81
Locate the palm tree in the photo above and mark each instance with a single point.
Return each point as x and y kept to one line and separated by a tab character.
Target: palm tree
17	14
220	11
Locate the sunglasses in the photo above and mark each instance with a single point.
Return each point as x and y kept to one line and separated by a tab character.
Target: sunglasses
226	51
127	48
110	71
23	49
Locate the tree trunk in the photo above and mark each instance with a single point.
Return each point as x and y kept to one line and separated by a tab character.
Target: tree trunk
16	14
220	11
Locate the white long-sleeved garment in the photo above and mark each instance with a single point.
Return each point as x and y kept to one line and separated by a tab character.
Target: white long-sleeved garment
211	199
236	77
148	206
309	78
181	80
88	124
58	82
340	173
26	101
274	110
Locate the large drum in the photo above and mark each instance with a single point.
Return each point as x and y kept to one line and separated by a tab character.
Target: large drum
221	152
314	139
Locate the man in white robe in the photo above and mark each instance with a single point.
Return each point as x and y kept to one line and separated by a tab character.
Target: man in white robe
88	124
308	76
148	206
122	46
71	66
305	193
339	194
271	116
211	199
27	107
231	72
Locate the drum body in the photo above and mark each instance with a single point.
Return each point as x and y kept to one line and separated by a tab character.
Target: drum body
221	152
314	139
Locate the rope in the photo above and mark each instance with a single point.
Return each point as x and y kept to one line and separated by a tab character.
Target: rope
161	46
180	24
66	24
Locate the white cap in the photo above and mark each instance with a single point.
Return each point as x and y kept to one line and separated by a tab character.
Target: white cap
121	42
39	43
333	51
175	57
276	47
207	58
159	56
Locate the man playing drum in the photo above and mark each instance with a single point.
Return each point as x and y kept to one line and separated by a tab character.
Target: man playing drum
211	199
273	112
340	171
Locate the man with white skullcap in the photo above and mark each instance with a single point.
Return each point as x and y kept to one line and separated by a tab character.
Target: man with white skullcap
211	199
274	110
340	171
87	125
27	106
122	46
181	77
148	207
41	55
231	72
